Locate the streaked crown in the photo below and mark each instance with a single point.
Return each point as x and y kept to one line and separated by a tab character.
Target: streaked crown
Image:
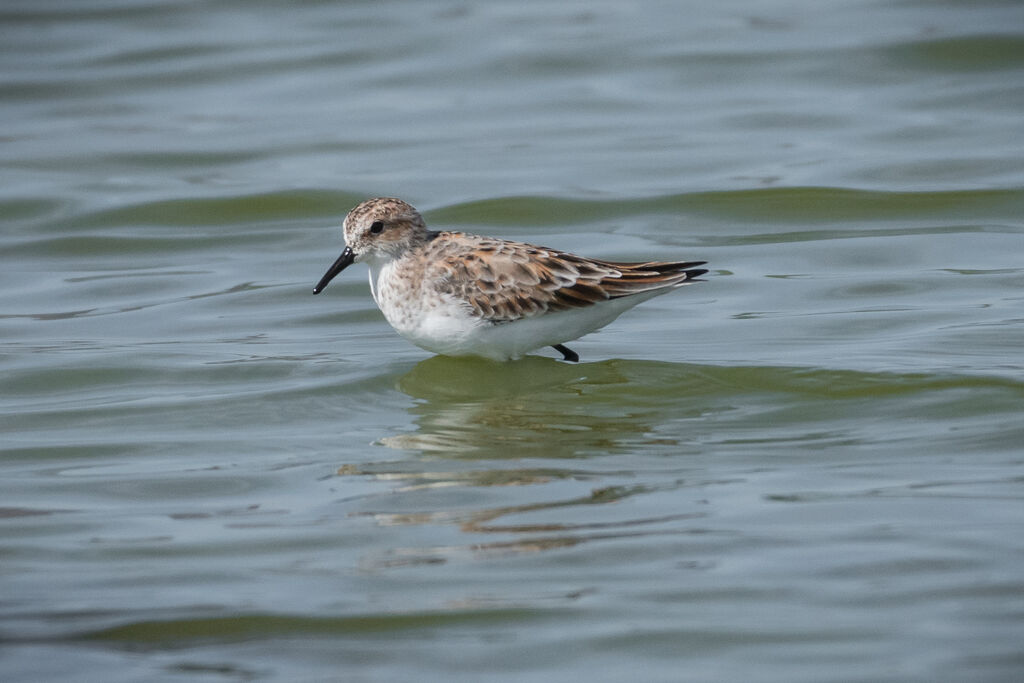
383	228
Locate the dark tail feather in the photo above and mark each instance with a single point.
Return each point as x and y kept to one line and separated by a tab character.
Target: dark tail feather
646	277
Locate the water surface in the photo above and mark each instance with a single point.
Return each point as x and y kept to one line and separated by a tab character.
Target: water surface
807	468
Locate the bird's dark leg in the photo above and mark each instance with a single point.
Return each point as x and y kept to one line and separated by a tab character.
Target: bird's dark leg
568	354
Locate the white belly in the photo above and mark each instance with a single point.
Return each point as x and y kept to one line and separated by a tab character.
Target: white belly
446	327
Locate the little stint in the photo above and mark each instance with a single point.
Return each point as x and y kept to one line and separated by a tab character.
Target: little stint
459	294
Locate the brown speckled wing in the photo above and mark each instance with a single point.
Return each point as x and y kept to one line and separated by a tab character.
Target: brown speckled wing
503	281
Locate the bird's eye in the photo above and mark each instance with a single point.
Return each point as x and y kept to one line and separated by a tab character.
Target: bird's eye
376	227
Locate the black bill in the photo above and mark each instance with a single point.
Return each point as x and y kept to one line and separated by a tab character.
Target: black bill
346	258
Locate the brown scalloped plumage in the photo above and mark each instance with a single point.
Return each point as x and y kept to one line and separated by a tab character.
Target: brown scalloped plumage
504	281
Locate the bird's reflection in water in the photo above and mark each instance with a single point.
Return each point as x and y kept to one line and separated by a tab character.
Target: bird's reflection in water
532	408
535	421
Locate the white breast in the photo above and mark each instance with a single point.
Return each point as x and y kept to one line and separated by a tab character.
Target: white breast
433	321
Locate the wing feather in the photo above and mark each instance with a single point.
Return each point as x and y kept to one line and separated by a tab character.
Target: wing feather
501	281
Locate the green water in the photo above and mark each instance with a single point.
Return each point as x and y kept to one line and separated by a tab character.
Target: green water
807	468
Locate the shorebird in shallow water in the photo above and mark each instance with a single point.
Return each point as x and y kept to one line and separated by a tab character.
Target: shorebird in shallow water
465	295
